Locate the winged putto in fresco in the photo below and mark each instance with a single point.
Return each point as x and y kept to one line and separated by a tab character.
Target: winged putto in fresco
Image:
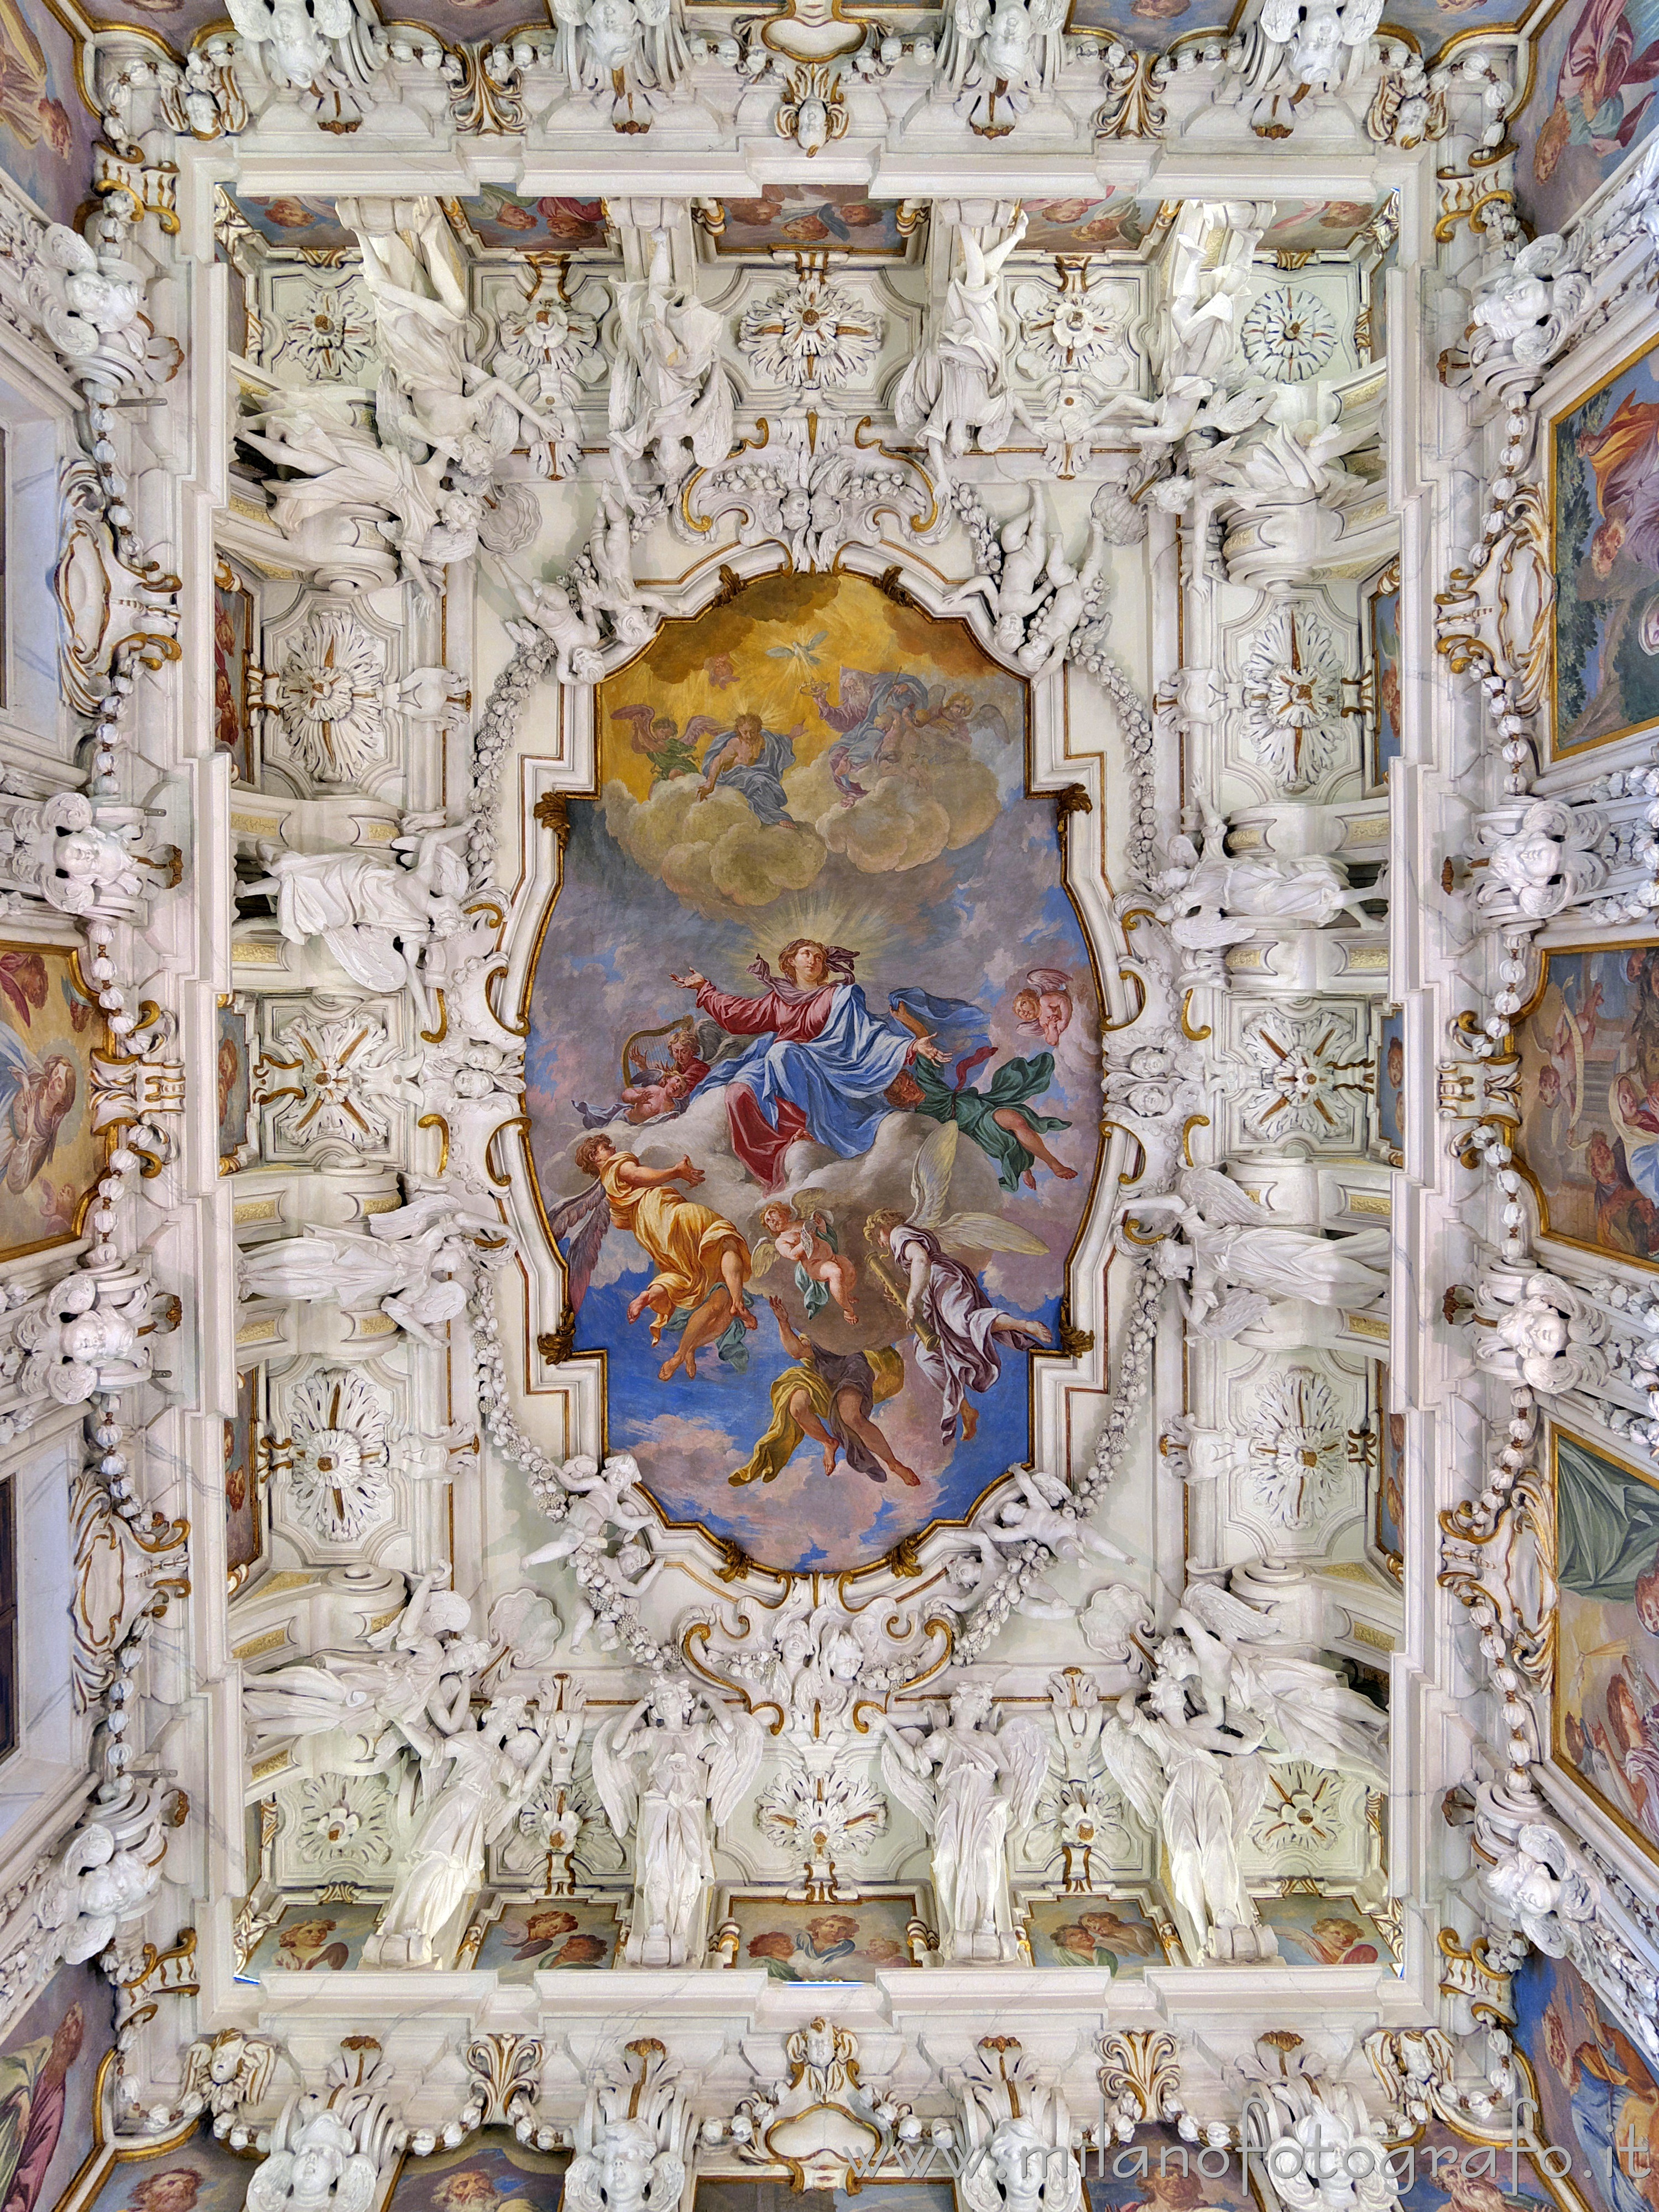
819	1023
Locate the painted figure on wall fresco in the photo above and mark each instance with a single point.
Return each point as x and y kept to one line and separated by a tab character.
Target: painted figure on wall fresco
1589	1089
1605	529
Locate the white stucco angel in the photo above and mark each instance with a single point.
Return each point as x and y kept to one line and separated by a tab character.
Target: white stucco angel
82	1336
997	55
418	1265
487	1772
1539	1887
1071	588
549	607
600	1498
632	2141
1541	856
1013	595
671	400
412	1695
972	1787
1211	898
379	916
955	392
1324	41
1185	1778
1222	1648
610	592
356	509
632	50
300	38
1234	1262
314	2164
108	1872
669	1771
1036	1513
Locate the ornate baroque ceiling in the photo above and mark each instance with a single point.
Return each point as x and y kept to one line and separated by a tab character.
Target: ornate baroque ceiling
829	1107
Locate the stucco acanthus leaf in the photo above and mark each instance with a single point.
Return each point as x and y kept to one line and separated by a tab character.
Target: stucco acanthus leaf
670	1771
996	57
810	333
814	494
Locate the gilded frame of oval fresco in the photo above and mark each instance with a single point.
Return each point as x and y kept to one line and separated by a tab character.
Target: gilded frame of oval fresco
816	912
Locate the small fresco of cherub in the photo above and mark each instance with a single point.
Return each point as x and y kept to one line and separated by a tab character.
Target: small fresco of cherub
1043	1007
803	1233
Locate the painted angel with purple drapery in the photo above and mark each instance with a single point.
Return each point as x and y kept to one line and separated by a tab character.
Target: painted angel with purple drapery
959	1330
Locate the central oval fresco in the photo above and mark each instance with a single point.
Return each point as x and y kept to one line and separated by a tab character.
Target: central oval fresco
813	1071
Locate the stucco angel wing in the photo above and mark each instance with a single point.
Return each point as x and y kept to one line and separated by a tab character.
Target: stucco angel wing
1280	19
268	2185
913	1791
1218	1198
1211	932
733	1761
615	1780
582	2189
930	1176
1238	1310
355	2190
667	2179
1024	1745
1232	1618
1132	1767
